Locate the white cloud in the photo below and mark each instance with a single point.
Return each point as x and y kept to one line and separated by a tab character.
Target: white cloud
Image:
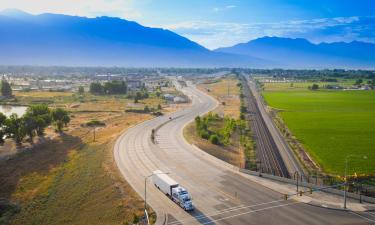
230	6
219	9
220	34
92	8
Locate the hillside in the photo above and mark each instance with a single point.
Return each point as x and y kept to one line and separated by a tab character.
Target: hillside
300	53
53	39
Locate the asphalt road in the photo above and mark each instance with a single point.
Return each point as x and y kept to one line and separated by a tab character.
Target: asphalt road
220	194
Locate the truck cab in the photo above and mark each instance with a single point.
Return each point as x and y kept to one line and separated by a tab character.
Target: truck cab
182	197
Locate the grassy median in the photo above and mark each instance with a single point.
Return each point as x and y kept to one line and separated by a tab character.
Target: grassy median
222	133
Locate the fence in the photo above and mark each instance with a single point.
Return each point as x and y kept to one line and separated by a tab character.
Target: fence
355	192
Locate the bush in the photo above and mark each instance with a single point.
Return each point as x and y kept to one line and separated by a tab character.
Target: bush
95	123
214	139
243	109
204	134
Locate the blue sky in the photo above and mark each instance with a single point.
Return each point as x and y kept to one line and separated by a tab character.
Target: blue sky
218	23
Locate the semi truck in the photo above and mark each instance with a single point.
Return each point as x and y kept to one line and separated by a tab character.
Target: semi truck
173	190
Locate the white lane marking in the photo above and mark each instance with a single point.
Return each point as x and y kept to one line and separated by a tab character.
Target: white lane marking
234	208
363	217
251	211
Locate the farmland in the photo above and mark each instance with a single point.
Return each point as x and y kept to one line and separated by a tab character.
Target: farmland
330	124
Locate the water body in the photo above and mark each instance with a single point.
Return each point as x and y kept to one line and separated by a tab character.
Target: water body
9	109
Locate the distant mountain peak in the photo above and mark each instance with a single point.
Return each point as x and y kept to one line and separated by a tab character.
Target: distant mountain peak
14	13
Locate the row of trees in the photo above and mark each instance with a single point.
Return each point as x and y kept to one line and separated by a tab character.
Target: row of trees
33	123
113	87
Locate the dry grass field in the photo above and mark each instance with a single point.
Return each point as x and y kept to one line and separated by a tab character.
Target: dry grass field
71	179
231	100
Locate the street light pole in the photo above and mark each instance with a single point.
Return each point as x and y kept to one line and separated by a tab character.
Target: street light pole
146	177
346	182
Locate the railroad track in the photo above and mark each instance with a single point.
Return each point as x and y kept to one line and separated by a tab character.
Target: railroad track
266	149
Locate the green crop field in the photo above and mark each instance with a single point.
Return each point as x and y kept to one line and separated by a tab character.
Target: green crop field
330	124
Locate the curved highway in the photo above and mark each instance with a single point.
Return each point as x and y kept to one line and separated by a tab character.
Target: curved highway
220	194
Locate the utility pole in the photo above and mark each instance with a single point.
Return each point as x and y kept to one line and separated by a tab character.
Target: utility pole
94	133
294	176
228	87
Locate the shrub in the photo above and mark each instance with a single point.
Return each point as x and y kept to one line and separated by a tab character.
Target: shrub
204	134
95	123
214	139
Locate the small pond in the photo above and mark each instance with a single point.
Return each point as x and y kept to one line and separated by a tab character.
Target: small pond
9	109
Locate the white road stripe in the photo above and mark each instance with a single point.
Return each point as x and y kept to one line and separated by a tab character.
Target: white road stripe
363	217
235	208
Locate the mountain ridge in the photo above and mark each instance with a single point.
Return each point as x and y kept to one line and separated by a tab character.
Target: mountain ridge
301	53
55	39
63	40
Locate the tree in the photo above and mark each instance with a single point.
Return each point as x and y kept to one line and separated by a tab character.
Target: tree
115	87
30	125
60	118
6	90
314	87
358	82
2	127
96	88
137	97
81	90
15	128
243	109
198	121
146	109
41	115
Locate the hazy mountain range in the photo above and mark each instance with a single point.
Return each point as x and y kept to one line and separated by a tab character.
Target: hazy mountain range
53	39
300	53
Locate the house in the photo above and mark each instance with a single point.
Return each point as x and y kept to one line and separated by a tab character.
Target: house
134	84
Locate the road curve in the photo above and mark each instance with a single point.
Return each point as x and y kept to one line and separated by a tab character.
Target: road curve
221	194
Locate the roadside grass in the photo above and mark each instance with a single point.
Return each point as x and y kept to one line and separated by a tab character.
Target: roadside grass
219	90
71	179
330	125
229	154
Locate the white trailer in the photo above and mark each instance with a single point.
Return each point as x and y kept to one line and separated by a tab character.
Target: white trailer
172	189
163	182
